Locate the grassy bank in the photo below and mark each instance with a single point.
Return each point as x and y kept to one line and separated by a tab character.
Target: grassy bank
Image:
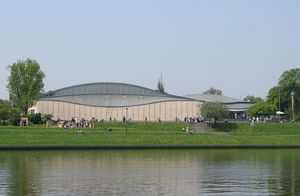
152	134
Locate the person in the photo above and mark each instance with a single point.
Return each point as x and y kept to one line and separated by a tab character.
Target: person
187	129
80	132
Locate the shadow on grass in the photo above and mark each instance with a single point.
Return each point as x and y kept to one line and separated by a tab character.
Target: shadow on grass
225	127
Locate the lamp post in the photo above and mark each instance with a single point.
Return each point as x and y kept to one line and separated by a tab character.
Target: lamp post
293	104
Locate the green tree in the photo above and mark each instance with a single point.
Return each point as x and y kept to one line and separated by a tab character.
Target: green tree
25	83
46	117
280	95
213	91
214	112
261	108
15	116
160	86
4	113
252	99
8	113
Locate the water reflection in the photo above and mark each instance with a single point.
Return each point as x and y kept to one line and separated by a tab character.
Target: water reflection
150	172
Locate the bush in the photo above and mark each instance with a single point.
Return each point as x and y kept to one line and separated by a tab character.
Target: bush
9	114
297	117
4	114
46	117
35	118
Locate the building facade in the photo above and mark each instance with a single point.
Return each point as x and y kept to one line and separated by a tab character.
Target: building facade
114	101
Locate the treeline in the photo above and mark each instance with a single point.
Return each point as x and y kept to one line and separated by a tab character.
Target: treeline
283	98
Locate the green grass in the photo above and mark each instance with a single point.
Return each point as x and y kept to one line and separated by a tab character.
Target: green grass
151	134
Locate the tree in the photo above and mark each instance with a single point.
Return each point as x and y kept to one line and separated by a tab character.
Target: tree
280	95
8	113
160	86
4	112
15	116
274	97
261	108
46	117
214	112
25	83
213	91
252	99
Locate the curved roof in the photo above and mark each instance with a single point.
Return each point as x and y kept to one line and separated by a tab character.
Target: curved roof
109	95
231	103
238	106
105	88
214	98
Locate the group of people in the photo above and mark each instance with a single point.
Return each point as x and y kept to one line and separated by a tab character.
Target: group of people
75	123
193	119
187	130
263	119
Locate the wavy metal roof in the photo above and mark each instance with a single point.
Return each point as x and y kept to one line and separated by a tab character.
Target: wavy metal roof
105	88
238	106
214	98
109	95
231	103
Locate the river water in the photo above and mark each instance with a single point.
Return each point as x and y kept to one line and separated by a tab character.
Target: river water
150	172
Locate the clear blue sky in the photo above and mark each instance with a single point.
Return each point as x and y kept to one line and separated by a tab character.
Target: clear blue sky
241	47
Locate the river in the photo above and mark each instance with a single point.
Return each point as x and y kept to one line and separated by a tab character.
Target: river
150	172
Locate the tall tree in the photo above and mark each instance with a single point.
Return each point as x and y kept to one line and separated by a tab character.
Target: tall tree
25	83
274	96
280	95
214	112
261	108
160	86
213	91
252	99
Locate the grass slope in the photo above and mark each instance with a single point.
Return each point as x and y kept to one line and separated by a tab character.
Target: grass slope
151	134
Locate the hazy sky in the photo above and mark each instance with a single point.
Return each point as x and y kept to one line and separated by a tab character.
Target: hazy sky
241	47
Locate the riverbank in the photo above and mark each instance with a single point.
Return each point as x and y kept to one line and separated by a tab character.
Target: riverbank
152	135
151	147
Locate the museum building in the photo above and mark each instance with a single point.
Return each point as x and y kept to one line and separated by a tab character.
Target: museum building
114	101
